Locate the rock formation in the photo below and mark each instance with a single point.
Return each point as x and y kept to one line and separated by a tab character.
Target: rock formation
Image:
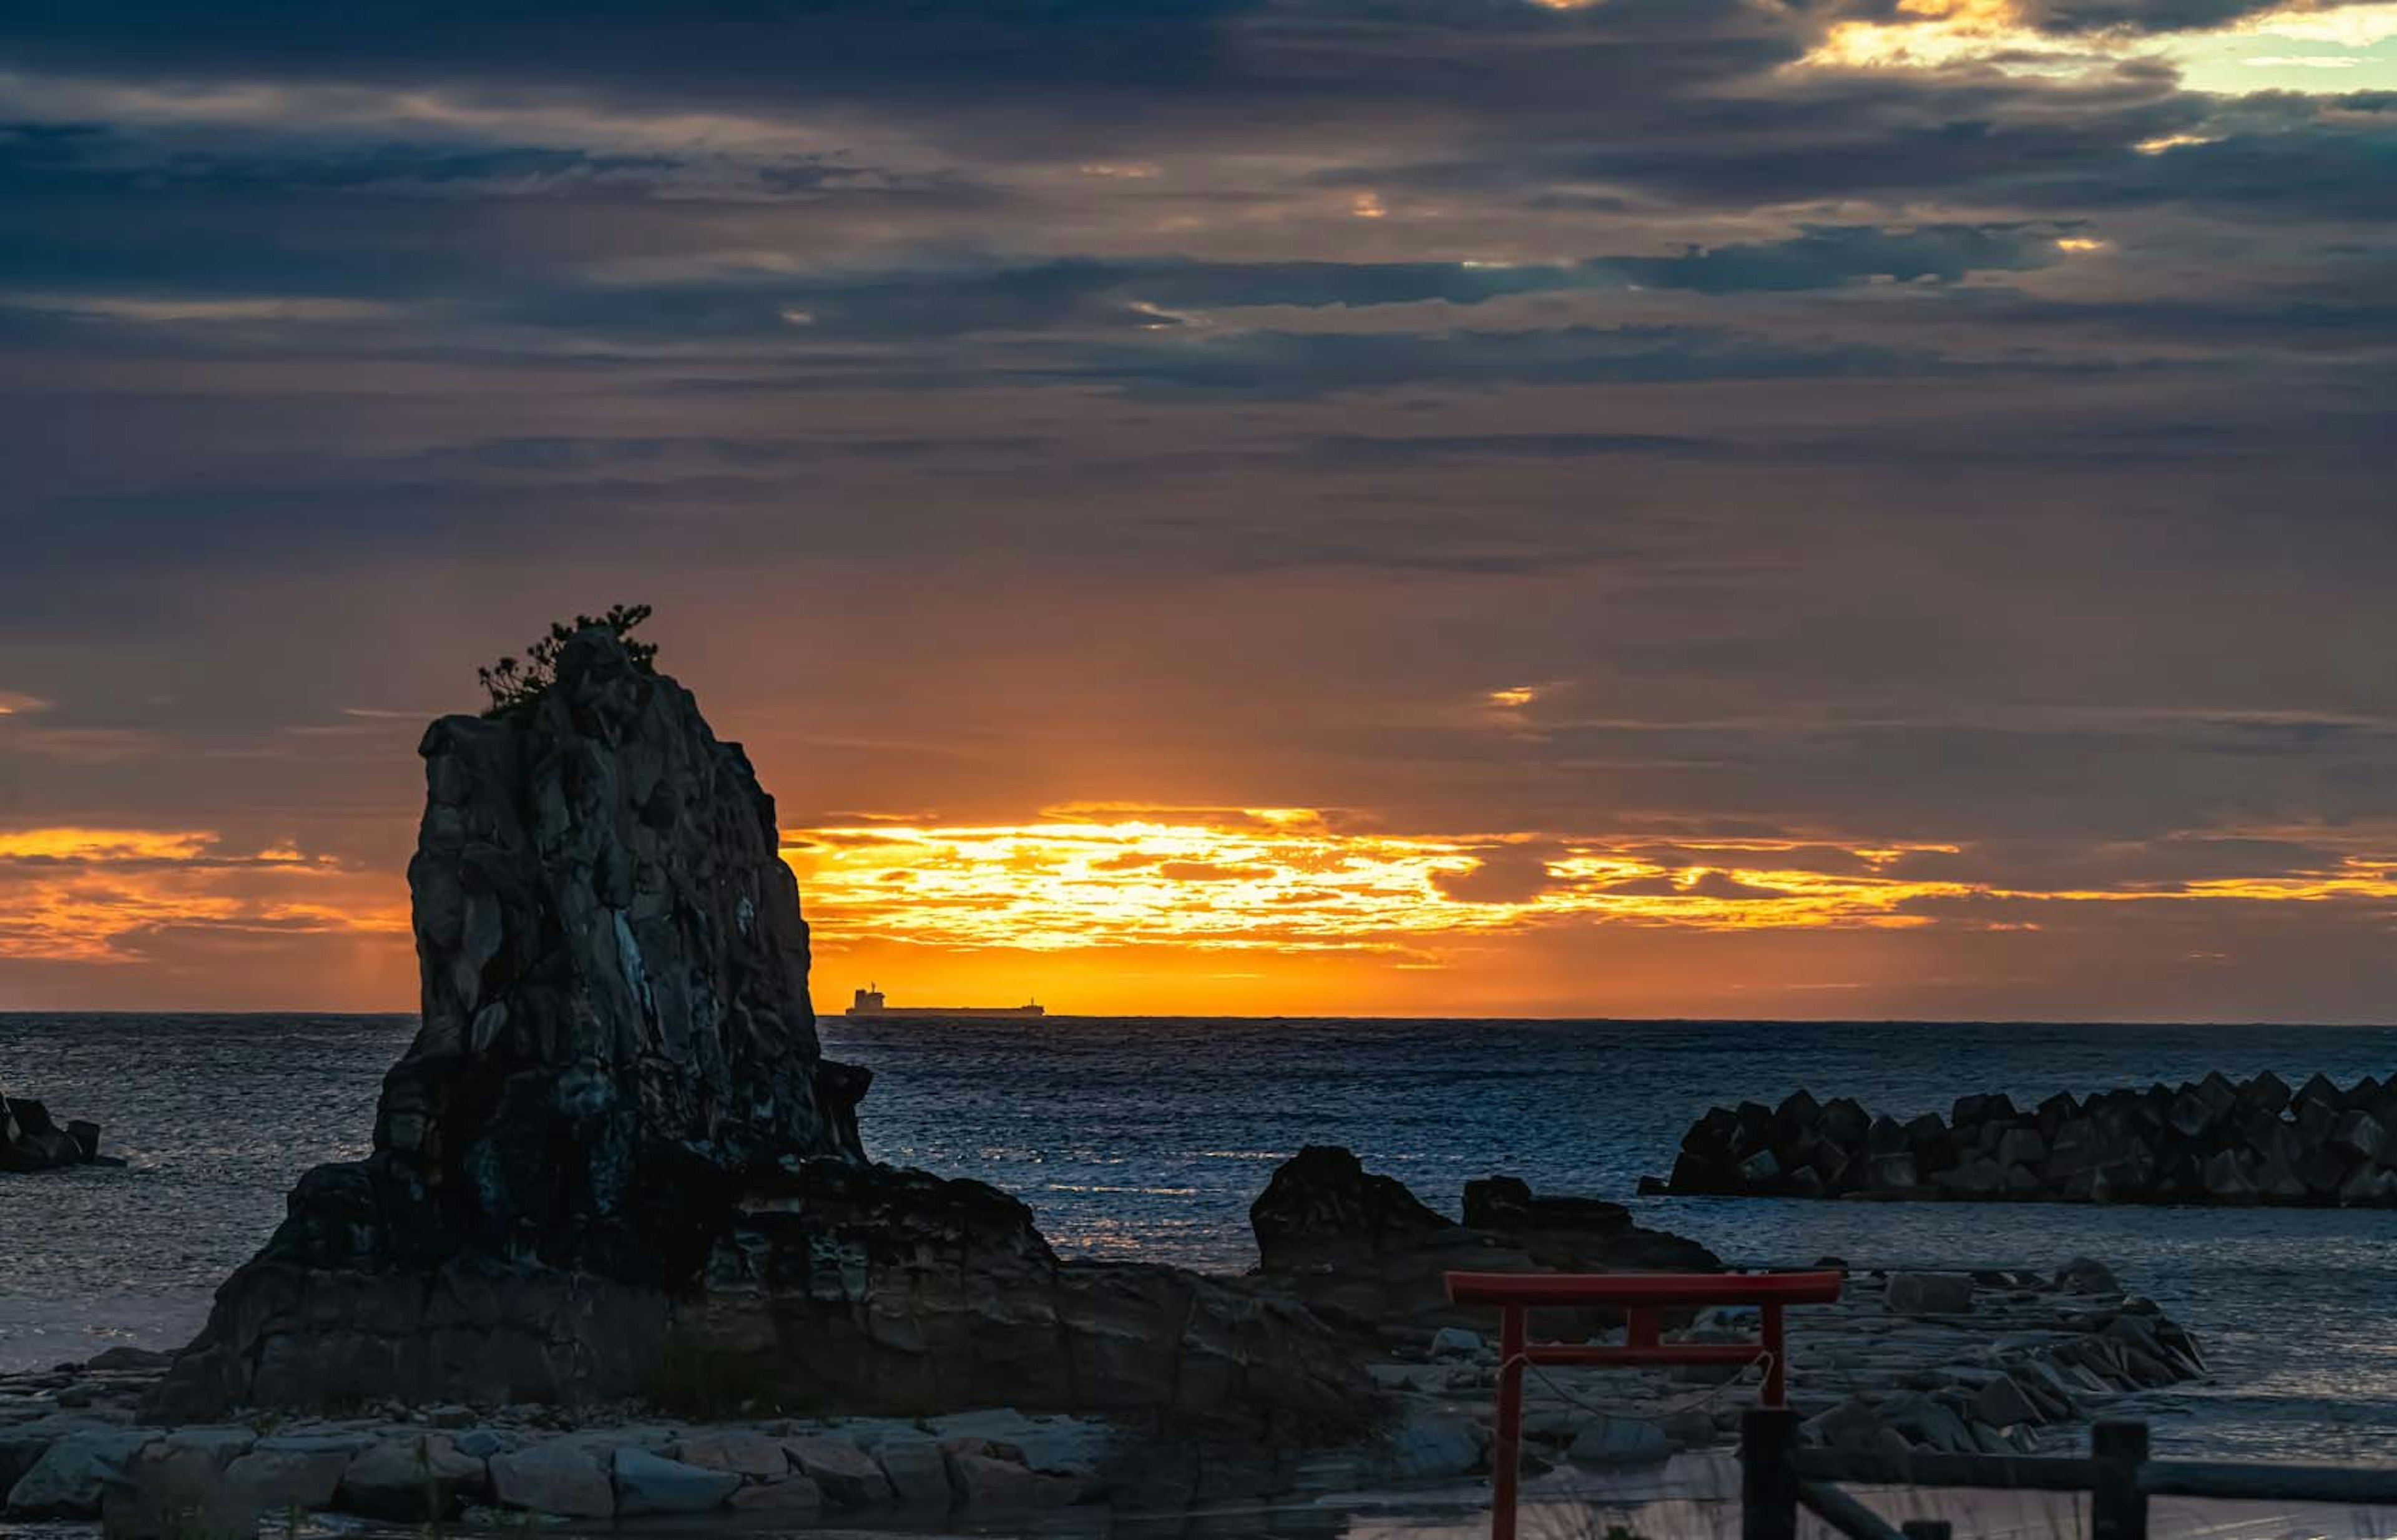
2212	1141
30	1140
889	1291
615	1131
1363	1250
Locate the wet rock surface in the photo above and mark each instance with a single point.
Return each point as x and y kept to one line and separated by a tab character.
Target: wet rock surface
2210	1141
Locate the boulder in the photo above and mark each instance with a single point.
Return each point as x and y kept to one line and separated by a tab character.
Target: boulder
985	1479
1929	1295
2086	1276
566	1478
1613	1441
2267	1092
1574	1234
1362	1250
1844	1122
1430	1445
2359	1136
23	1444
784	1497
1892	1174
848	1476
171	1490
742	1454
73	1474
412	1480
918	1471
283	1478
1979	1177
648	1483
2001	1403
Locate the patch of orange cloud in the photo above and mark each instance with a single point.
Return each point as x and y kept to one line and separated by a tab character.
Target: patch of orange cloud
71	893
1294	880
1290	879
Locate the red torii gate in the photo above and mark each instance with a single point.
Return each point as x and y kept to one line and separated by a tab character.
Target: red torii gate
1641	1297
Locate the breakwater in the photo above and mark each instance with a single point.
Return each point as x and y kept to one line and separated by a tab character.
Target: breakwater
2210	1141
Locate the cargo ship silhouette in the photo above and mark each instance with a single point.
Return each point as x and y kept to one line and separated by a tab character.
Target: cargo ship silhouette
868	1002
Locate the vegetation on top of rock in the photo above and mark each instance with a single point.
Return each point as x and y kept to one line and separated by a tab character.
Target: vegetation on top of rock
513	686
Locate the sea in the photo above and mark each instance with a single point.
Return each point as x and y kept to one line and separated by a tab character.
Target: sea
1149	1138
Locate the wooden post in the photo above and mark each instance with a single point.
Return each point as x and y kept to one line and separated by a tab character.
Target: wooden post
1506	1446
1768	1483
1776	1360
2118	1504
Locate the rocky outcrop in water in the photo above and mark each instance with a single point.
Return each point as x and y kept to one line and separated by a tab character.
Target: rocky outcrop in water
615	1140
887	1290
2212	1141
1363	1250
30	1140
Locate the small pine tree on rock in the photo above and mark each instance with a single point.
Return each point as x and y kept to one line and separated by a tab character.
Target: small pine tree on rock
513	686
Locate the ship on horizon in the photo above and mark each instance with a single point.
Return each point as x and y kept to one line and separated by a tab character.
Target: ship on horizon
868	1002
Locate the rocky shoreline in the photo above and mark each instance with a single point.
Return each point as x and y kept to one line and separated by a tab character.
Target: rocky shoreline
2210	1141
1951	1362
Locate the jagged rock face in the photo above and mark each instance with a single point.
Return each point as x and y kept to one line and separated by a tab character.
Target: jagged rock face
616	1035
615	969
896	1291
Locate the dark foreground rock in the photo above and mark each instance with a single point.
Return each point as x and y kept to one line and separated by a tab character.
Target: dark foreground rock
615	1145
31	1141
2212	1141
885	1291
1364	1251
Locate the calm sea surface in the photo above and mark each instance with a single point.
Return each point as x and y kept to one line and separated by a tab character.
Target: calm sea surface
1151	1137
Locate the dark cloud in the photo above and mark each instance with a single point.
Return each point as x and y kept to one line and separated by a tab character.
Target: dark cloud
1271	365
1502	873
930	46
1829	256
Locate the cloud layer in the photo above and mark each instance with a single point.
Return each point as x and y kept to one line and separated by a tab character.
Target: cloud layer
1583	441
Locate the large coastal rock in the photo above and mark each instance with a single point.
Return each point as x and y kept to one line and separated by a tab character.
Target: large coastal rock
616	1032
2211	1141
615	1145
1362	1250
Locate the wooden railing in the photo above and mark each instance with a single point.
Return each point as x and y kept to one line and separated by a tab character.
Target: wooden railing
1778	1477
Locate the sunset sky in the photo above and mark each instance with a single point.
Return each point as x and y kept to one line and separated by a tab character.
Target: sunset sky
1873	508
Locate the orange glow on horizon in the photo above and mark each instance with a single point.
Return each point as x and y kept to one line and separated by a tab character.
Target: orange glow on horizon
79	894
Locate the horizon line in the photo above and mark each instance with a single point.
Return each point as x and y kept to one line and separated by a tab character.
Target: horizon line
9	1012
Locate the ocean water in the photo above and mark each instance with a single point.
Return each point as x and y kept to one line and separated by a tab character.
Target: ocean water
1149	1138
